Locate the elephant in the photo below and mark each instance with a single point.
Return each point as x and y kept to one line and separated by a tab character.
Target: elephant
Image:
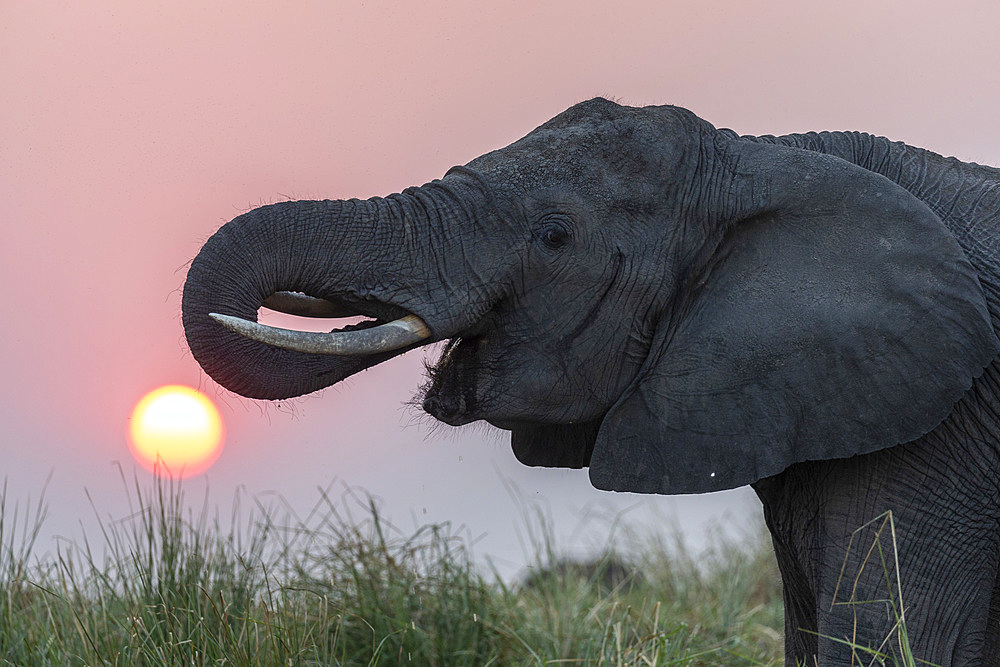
682	310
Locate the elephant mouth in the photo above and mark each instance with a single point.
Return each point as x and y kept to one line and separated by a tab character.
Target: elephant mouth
374	336
450	396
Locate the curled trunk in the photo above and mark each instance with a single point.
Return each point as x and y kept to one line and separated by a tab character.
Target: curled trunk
272	249
381	258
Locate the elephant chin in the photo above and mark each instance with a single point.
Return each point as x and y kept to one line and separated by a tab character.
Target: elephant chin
507	424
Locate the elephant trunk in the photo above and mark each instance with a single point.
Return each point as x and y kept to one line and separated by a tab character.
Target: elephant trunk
372	258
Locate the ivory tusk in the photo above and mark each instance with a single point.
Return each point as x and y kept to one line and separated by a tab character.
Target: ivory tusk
294	303
382	338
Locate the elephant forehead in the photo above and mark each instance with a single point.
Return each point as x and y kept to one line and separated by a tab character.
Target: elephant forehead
597	155
539	163
526	175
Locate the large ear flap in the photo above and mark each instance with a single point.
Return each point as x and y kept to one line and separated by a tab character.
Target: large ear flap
841	318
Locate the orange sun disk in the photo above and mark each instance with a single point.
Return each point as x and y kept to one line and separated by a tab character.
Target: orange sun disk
175	431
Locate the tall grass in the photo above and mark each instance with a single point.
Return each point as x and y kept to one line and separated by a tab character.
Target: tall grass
342	586
895	648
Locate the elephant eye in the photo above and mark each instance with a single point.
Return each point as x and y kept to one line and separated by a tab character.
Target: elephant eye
554	236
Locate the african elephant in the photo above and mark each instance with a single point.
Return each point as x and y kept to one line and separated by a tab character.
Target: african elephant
683	310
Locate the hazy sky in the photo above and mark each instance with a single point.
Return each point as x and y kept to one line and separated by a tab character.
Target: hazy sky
129	133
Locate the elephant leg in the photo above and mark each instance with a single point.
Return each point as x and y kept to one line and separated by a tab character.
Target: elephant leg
799	601
842	584
992	651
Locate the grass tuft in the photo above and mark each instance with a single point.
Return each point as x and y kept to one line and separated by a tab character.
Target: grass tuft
342	586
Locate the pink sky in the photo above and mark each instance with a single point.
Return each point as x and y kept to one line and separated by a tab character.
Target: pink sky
129	133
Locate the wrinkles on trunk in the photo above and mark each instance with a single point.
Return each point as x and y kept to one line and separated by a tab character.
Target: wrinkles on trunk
287	246
406	254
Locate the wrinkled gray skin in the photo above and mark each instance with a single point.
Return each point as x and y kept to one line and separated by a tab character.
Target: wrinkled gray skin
685	310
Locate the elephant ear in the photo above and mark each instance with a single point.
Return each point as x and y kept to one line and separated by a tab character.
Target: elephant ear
840	318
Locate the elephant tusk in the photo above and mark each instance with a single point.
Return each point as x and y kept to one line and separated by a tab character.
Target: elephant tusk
382	338
294	303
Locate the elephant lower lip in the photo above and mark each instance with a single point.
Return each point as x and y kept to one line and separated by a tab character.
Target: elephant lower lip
304	305
335	306
451	397
450	410
360	322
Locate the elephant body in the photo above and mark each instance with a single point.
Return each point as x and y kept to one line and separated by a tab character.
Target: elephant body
686	310
943	488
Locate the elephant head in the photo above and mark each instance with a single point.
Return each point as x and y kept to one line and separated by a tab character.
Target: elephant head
628	289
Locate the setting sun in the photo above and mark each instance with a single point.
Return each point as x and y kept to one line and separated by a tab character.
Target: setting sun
176	430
